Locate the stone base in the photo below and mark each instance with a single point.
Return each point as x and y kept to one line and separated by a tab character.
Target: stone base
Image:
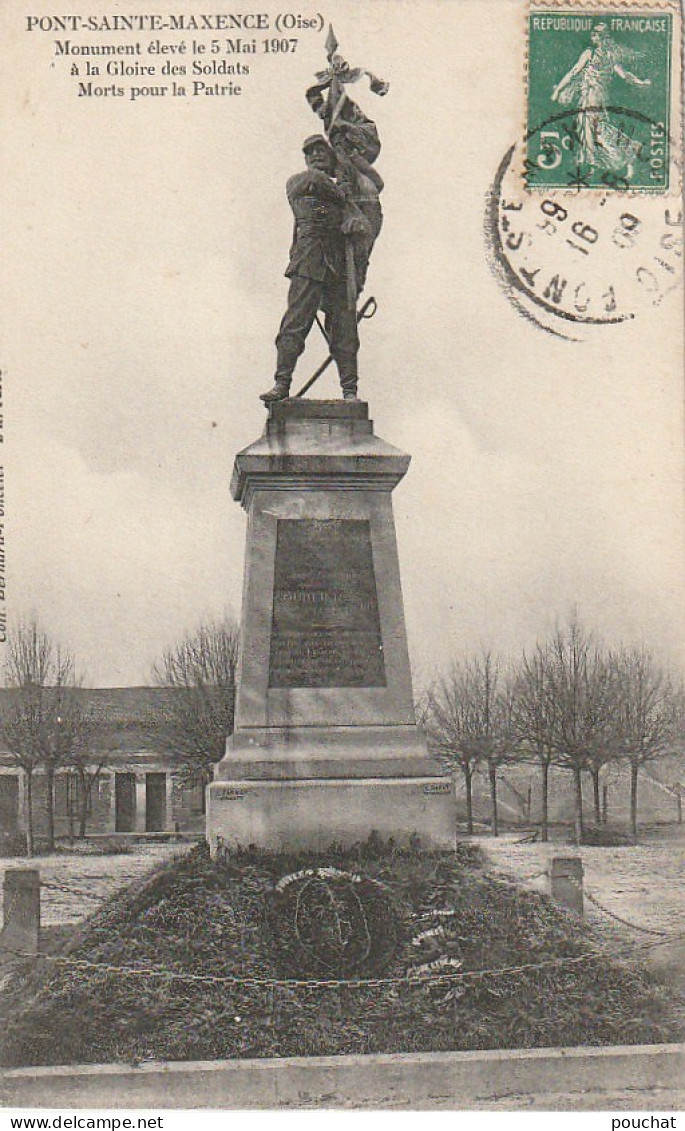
312	814
325	748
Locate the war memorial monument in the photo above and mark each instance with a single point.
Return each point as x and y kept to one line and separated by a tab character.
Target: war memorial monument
325	749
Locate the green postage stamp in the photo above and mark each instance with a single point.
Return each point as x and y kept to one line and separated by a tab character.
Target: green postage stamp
599	97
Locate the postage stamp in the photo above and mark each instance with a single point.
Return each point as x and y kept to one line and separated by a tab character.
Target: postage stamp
584	218
600	83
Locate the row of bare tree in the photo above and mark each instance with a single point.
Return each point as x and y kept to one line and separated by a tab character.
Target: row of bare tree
48	721
43	722
195	720
571	702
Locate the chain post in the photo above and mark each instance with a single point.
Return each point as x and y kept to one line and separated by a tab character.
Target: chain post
566	882
21	910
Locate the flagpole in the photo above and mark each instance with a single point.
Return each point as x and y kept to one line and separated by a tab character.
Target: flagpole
336	99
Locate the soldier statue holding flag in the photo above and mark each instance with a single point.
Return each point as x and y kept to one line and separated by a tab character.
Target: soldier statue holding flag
336	206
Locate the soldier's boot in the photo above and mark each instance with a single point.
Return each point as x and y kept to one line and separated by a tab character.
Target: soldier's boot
280	392
348	382
348	386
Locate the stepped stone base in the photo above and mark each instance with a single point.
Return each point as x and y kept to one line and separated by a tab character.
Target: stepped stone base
325	749
288	816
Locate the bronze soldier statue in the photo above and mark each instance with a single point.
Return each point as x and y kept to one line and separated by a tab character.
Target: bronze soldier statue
338	217
317	272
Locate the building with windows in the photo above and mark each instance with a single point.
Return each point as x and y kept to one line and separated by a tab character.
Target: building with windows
132	781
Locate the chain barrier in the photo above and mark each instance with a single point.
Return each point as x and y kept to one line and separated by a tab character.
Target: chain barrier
413	976
337	983
612	914
620	919
72	891
518	879
593	899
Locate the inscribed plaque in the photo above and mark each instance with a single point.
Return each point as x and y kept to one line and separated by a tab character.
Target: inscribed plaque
325	630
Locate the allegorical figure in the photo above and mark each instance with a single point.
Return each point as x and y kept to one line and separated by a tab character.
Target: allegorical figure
317	272
354	138
602	144
364	184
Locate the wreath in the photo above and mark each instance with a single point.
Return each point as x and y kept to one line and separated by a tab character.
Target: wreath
333	924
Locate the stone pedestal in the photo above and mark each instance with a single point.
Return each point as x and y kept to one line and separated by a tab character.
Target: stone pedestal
325	747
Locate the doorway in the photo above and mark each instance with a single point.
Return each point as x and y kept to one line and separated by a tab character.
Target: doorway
125	803
155	803
9	803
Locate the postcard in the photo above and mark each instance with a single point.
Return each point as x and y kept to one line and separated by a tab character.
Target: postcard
350	337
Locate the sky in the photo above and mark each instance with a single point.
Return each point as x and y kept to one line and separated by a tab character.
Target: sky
144	268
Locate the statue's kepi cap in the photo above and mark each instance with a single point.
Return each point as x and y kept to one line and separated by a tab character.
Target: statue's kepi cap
314	140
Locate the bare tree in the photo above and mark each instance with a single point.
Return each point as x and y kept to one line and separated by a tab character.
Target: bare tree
678	726
43	718
198	716
533	719
493	691
86	761
583	703
18	728
450	727
646	713
468	722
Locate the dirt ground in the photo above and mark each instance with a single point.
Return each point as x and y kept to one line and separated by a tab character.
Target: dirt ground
89	878
640	883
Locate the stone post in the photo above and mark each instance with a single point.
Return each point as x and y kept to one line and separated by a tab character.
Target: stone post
169	822
112	816
566	882
21	911
141	803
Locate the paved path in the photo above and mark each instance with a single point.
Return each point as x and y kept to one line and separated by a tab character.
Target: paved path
641	883
92	878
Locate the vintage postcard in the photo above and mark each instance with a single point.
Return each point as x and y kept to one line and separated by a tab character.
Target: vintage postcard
342	708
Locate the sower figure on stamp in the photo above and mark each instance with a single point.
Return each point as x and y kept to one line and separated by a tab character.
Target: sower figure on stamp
602	143
317	273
